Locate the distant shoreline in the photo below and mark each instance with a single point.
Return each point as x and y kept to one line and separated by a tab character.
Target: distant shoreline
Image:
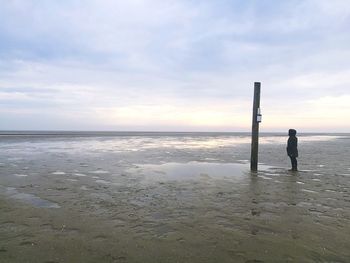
149	133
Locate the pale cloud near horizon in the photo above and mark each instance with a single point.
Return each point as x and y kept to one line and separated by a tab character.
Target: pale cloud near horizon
174	65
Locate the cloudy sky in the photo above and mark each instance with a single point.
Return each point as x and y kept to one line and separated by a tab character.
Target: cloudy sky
174	65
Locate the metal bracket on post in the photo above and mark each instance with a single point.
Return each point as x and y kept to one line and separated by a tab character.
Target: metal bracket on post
255	128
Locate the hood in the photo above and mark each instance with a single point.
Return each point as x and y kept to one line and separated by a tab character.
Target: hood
292	132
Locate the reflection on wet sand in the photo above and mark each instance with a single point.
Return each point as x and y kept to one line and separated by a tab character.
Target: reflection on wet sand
30	199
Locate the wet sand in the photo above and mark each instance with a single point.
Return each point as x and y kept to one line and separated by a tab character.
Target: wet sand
159	206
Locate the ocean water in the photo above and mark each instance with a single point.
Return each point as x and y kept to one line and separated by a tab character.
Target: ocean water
172	197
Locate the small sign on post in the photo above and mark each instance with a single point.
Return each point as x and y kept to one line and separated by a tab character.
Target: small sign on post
255	128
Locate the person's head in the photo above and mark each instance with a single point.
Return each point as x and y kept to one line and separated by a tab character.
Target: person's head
292	132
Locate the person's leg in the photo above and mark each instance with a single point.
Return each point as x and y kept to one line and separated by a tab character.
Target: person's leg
294	164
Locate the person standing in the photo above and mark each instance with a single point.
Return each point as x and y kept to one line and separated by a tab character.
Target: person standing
292	149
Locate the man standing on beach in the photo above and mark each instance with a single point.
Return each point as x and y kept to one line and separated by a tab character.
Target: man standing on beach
292	149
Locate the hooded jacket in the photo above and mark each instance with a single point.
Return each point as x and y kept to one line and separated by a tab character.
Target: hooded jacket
292	145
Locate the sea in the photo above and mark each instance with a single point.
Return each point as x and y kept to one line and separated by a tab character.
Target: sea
172	197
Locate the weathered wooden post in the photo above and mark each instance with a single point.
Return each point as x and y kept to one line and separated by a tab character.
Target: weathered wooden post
255	128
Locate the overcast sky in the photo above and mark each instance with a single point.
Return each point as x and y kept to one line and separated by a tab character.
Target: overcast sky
174	65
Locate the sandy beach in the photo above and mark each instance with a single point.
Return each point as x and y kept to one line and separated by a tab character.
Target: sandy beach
172	198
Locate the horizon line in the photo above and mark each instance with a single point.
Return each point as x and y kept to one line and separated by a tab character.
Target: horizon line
32	131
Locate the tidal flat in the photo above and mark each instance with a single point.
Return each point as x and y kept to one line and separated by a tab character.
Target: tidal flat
172	198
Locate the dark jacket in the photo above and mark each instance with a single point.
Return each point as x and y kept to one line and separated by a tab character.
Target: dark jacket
292	146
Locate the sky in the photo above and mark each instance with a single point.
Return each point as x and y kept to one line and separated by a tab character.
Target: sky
174	65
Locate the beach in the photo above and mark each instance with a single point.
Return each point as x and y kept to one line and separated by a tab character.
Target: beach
172	197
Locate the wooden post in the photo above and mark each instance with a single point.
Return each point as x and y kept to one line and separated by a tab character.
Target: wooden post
255	129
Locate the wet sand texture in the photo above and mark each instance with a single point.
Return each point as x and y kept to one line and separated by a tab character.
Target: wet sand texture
167	204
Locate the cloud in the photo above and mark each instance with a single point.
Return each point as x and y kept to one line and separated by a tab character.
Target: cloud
166	64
